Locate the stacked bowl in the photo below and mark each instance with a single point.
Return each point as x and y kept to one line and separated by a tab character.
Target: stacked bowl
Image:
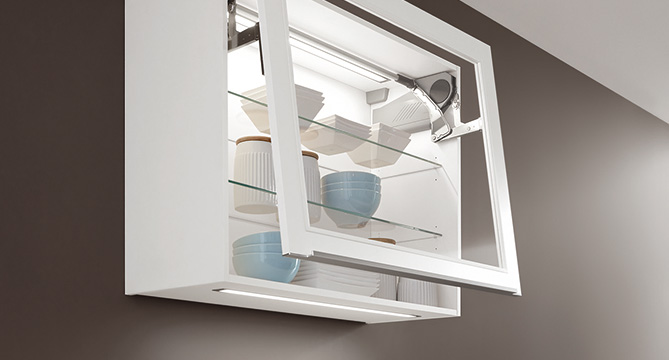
351	197
309	103
323	138
259	256
373	156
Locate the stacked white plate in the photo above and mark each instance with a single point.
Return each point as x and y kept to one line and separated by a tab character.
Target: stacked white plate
309	103
337	278
374	156
330	142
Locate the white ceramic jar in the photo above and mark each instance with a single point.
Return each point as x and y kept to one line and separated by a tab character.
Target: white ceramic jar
312	177
387	287
253	166
417	292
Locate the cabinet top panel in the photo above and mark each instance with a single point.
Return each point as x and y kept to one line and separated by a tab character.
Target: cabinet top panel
339	29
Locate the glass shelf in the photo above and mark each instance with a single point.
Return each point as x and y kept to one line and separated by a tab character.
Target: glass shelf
333	144
373	228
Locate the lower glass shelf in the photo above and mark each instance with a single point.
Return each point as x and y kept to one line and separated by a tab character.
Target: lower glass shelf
355	224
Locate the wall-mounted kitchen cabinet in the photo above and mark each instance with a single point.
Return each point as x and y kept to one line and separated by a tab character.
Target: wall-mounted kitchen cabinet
337	137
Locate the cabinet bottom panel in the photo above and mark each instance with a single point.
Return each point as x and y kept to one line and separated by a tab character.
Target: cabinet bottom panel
288	298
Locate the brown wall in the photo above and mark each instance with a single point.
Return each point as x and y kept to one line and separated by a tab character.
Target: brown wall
588	176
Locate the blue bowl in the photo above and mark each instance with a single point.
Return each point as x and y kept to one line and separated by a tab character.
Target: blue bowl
263	248
270	237
267	266
346	176
363	202
362	185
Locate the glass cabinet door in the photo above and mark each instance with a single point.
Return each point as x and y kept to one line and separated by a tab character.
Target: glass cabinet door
366	134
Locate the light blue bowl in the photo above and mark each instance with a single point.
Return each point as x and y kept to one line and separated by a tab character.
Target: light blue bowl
362	185
363	202
346	176
266	248
267	266
270	237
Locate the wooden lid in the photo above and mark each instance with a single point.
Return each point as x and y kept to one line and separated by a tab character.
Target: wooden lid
269	140
310	153
253	138
385	240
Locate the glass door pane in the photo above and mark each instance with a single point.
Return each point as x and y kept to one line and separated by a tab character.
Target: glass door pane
354	111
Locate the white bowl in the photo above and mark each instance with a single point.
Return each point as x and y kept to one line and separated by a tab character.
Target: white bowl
374	156
307	107
330	142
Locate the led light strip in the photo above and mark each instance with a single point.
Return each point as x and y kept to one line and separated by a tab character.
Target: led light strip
334	59
314	303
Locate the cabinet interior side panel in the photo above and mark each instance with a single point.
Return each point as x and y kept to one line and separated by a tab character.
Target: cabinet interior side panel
175	163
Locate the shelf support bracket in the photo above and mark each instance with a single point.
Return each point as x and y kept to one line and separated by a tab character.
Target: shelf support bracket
238	39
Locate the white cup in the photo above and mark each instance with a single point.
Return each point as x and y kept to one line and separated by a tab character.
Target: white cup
253	166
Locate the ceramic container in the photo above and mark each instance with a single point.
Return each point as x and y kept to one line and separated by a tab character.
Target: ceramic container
387	287
253	166
417	292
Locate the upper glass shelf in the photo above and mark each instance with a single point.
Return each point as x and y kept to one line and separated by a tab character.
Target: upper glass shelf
342	144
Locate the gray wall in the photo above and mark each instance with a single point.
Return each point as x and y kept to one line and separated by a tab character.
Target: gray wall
588	175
